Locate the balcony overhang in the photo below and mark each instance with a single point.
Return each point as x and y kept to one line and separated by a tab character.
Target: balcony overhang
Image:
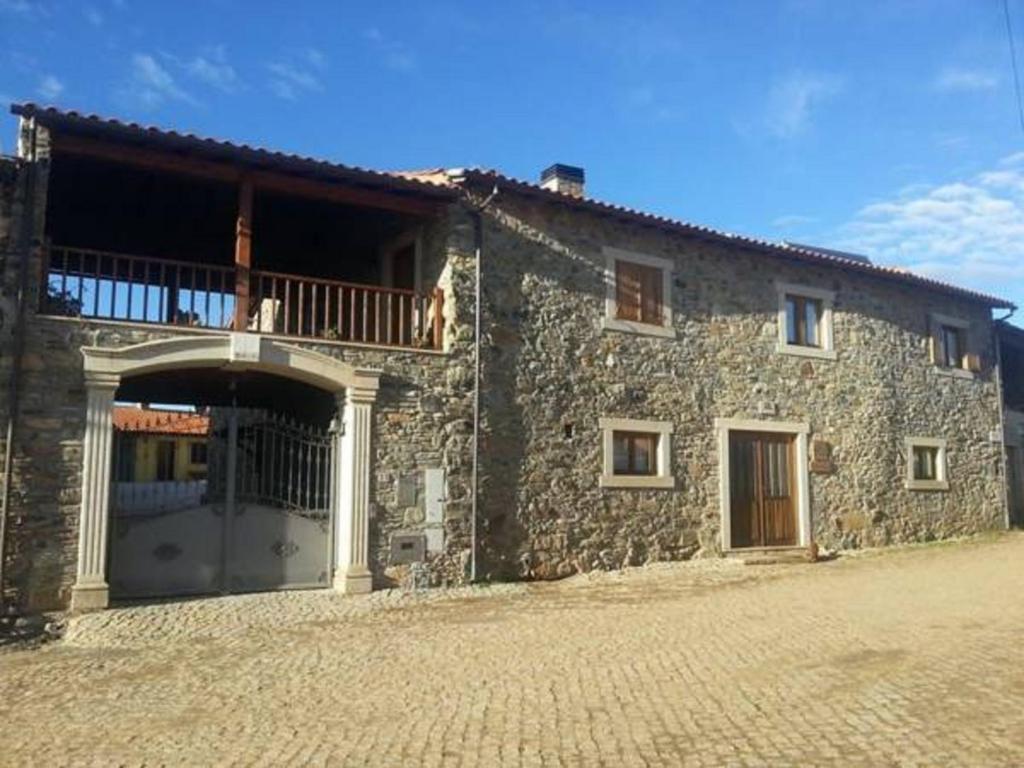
171	152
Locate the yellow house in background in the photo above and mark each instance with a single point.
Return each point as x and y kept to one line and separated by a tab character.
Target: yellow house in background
158	445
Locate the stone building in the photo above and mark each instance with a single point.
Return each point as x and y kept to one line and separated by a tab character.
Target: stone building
643	389
1011	348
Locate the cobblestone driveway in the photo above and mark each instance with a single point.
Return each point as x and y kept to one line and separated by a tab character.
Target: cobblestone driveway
912	657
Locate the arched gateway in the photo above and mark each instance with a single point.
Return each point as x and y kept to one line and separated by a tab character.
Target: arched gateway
355	390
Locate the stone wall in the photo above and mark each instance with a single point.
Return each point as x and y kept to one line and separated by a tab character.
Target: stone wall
24	189
551	372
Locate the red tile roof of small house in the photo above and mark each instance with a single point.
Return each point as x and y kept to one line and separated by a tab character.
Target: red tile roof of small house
156	421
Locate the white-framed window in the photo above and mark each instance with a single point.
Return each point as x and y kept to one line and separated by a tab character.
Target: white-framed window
639	293
636	453
949	344
926	464
805	321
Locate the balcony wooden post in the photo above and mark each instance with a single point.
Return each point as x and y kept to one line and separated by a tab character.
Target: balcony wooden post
438	318
243	254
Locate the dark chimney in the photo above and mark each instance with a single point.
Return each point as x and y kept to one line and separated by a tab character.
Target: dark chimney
566	179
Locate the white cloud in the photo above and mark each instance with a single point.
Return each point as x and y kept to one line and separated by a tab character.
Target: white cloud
1017	158
315	58
394	54
151	85
288	80
967	232
212	68
50	87
960	79
793	99
20	7
297	73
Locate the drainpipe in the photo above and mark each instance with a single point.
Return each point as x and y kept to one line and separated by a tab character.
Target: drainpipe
478	250
1003	457
18	333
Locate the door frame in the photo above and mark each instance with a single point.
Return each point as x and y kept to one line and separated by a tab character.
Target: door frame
799	431
387	258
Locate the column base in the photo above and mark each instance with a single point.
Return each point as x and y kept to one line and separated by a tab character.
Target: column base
89	597
353	582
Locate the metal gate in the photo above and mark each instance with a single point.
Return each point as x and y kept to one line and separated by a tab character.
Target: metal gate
261	521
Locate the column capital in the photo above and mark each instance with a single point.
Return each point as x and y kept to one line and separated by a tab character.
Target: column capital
99	380
357	395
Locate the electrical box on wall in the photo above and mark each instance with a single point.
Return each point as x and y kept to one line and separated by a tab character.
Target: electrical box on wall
408	548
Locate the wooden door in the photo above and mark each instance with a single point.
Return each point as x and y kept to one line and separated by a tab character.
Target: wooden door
762	490
403	276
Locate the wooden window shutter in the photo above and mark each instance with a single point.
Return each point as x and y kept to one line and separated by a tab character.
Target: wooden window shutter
934	341
627	291
651	298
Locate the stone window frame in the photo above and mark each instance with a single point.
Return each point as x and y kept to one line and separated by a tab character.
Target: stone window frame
663	478
610	322
936	321
941	483
826	330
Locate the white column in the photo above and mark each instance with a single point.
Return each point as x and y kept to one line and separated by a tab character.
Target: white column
353	461
91	591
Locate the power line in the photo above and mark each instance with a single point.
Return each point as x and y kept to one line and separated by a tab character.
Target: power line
1013	61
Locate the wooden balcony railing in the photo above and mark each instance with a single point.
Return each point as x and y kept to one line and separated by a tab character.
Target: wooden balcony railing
107	286
111	286
331	309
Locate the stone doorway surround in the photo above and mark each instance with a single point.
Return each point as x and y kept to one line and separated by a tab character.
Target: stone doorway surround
354	388
800	432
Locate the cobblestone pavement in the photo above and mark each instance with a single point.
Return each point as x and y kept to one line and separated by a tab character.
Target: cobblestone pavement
907	657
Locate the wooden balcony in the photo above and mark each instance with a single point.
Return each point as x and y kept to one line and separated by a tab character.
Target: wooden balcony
97	285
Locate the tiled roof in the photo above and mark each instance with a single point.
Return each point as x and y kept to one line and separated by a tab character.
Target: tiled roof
217	149
442	182
784	250
153	421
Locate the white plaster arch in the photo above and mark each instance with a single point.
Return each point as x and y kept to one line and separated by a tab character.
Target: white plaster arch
231	352
354	388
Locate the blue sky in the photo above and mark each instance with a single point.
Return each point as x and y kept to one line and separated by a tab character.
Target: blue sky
888	127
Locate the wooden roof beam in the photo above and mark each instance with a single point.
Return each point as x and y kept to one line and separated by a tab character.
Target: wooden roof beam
299	186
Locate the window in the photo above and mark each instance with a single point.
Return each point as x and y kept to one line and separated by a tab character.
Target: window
949	346
639	293
124	457
197	453
926	464
805	321
636	454
952	346
165	460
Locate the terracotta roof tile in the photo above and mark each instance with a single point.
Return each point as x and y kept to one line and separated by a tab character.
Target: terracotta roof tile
155	421
226	150
785	250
